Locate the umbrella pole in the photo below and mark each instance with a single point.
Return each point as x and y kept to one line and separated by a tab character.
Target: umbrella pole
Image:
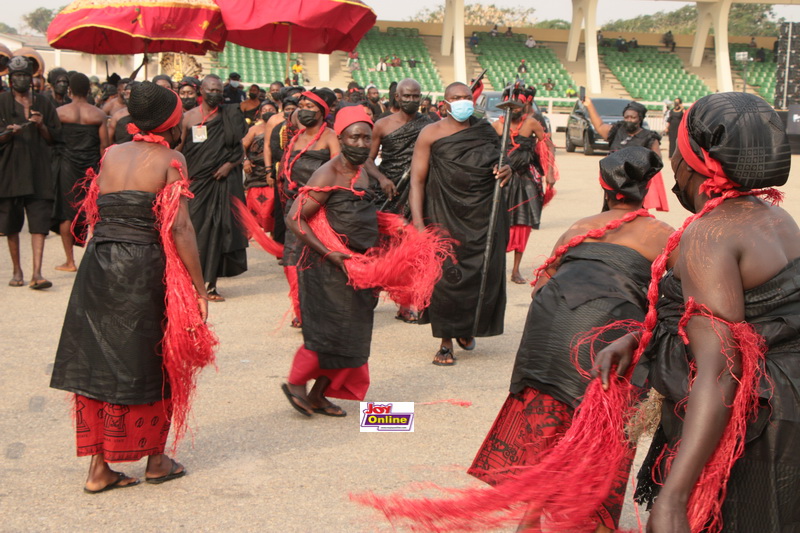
289	54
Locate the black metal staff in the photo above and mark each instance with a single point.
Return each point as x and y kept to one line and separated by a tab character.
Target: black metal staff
507	106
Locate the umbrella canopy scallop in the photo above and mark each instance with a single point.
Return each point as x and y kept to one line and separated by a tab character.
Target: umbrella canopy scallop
132	27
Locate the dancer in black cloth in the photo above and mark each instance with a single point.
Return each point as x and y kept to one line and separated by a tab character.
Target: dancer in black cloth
279	131
212	144
453	174
58	78
84	139
337	319
110	352
740	260
118	124
592	283
673	120
26	177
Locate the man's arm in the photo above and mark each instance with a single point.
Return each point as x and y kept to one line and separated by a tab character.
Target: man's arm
420	164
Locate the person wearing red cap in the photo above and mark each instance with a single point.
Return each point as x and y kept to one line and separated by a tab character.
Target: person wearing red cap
453	173
337	319
313	145
115	353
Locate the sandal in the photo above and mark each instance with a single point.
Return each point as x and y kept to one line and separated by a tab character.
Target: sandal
298	405
40	284
114	484
407	315
441	357
296	323
16	283
214	296
168	477
469	346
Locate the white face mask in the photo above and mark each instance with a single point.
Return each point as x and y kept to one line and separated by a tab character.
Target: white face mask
461	110
234	84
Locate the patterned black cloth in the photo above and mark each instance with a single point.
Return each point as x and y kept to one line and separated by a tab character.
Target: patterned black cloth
110	343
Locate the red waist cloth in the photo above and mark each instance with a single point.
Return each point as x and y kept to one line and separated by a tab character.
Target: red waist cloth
121	432
260	202
346	383
656	197
518	238
528	424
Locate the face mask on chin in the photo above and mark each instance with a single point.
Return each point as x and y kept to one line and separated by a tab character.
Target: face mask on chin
355	155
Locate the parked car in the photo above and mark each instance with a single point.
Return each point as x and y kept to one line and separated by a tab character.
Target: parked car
486	107
580	131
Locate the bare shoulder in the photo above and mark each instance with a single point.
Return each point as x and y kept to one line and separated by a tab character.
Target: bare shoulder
430	133
324	176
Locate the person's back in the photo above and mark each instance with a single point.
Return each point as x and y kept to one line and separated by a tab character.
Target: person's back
138	167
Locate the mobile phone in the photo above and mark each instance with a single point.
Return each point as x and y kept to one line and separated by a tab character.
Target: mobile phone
582	93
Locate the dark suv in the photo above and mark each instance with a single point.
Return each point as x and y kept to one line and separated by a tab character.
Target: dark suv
485	108
580	131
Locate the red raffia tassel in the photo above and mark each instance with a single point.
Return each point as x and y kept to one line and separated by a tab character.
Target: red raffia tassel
251	224
705	503
584	465
406	264
549	194
87	213
546	157
188	343
591	234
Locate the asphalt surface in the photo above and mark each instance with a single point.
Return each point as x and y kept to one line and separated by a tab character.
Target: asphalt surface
255	464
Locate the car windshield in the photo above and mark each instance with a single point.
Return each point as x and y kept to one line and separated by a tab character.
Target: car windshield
492	101
609	107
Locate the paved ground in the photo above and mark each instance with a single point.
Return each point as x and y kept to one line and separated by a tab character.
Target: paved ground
255	464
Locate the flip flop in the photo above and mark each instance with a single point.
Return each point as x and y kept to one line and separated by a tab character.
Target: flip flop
16	283
408	316
289	396
444	353
63	268
464	346
114	485
296	323
169	477
40	285
213	296
324	411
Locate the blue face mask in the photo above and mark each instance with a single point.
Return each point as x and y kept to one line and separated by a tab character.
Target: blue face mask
461	110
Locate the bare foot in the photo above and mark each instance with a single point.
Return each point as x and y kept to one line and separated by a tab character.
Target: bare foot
517	278
161	468
67	267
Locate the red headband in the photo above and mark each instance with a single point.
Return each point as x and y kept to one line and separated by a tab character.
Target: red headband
316	99
709	167
173	120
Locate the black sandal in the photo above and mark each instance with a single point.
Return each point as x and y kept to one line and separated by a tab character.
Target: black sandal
444	353
407	315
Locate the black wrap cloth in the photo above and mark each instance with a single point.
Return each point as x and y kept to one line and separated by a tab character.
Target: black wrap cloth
78	151
524	194
458	197
396	151
258	174
619	138
110	343
337	319
595	284
302	170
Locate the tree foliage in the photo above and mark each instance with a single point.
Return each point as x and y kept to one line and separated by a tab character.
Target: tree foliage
553	24
39	19
481	15
743	20
5	28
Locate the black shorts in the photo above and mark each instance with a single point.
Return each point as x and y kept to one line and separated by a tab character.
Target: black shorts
13	210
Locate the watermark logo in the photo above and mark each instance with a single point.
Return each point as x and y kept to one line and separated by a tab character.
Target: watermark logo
388	416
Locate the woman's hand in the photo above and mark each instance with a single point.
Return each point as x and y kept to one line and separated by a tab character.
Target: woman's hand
337	258
668	516
248	166
619	353
202	303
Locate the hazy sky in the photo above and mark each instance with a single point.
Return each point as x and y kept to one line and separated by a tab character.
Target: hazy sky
394	10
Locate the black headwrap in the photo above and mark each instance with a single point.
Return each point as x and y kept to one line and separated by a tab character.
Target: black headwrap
742	134
163	77
639	108
56	73
324	94
152	106
628	172
190	81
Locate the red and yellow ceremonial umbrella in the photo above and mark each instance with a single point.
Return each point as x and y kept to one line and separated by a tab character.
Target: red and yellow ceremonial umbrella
121	27
312	26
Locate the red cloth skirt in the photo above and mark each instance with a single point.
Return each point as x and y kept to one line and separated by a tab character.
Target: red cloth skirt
346	383
121	432
528	424
518	238
656	197
261	202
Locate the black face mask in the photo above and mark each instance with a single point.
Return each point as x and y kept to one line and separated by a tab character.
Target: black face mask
253	96
61	87
410	107
21	84
189	102
631	127
307	117
683	198
266	116
355	155
213	99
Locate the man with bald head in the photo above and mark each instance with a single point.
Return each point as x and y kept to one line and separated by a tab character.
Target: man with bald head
453	175
212	143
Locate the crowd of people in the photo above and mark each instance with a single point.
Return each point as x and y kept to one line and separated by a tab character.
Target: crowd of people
355	194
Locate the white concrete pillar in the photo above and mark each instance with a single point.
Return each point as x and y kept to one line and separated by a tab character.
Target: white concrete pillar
93	68
459	45
324	62
574	40
447	28
57	58
719	15
701	35
593	83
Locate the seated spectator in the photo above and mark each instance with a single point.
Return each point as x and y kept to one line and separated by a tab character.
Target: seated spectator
381	66
522	68
412	63
509	33
549	85
531	42
761	55
634	43
474	40
396	61
753	43
355	65
600	39
352	56
668	40
571	92
494	31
